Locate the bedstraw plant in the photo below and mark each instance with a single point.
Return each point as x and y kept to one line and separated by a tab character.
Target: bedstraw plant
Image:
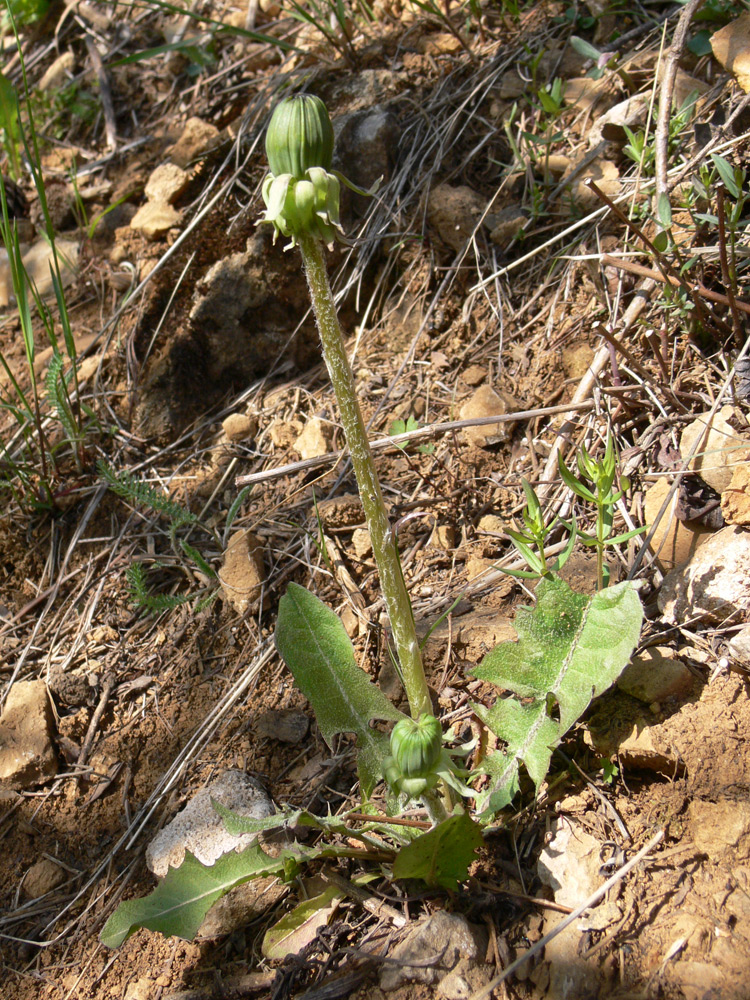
570	647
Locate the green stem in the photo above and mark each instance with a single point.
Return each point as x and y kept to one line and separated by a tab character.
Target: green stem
383	541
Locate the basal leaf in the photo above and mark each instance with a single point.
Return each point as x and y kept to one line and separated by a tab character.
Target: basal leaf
314	645
299	927
441	856
185	895
571	647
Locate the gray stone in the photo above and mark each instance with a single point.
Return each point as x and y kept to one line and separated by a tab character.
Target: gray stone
199	828
436	944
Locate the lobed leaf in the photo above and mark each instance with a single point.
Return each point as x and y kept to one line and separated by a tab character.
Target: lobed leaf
441	856
314	645
571	647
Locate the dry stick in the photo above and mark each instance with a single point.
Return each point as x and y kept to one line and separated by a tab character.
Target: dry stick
661	136
96	718
398	441
591	901
647	272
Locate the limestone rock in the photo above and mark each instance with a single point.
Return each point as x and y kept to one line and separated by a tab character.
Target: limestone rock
674	542
713	584
739	645
240	426
197	139
488	402
719	447
721	829
242	573
41	878
654	675
166	183
454	213
199	828
155	219
361	543
26	751
314	440
731	47
735	499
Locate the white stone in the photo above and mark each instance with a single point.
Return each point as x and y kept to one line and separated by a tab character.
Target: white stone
720	448
199	828
487	402
26	751
315	439
713	585
166	183
155	219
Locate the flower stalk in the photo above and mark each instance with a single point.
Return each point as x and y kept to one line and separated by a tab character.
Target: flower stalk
382	537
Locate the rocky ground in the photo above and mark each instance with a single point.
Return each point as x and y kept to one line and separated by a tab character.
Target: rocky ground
487	279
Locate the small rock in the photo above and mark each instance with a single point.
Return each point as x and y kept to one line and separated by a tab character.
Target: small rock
492	524
26	725
487	402
141	989
438	44
454	213
361	543
315	439
739	645
474	375
655	675
41	878
166	183
341	512
283	724
506	224
731	47
631	112
283	433
240	426
365	140
242	572
570	864
443	537
155	219
675	542
713	584
719	447
197	139
240	906
477	566
721	829
199	828
37	260
605	175
445	937
735	499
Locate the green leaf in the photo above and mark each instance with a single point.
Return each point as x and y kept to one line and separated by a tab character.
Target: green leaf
571	647
185	895
727	173
297	928
314	645
236	824
443	855
584	48
664	211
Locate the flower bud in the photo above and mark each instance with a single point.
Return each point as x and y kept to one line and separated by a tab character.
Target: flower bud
299	136
416	746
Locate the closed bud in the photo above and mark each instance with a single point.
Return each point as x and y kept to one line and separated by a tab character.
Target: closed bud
416	746
299	136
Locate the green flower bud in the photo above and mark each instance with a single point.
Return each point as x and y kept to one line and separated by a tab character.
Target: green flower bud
301	193
299	136
416	746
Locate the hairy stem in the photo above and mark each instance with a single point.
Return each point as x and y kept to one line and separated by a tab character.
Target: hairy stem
383	541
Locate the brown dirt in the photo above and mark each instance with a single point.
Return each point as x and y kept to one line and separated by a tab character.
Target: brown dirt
187	689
